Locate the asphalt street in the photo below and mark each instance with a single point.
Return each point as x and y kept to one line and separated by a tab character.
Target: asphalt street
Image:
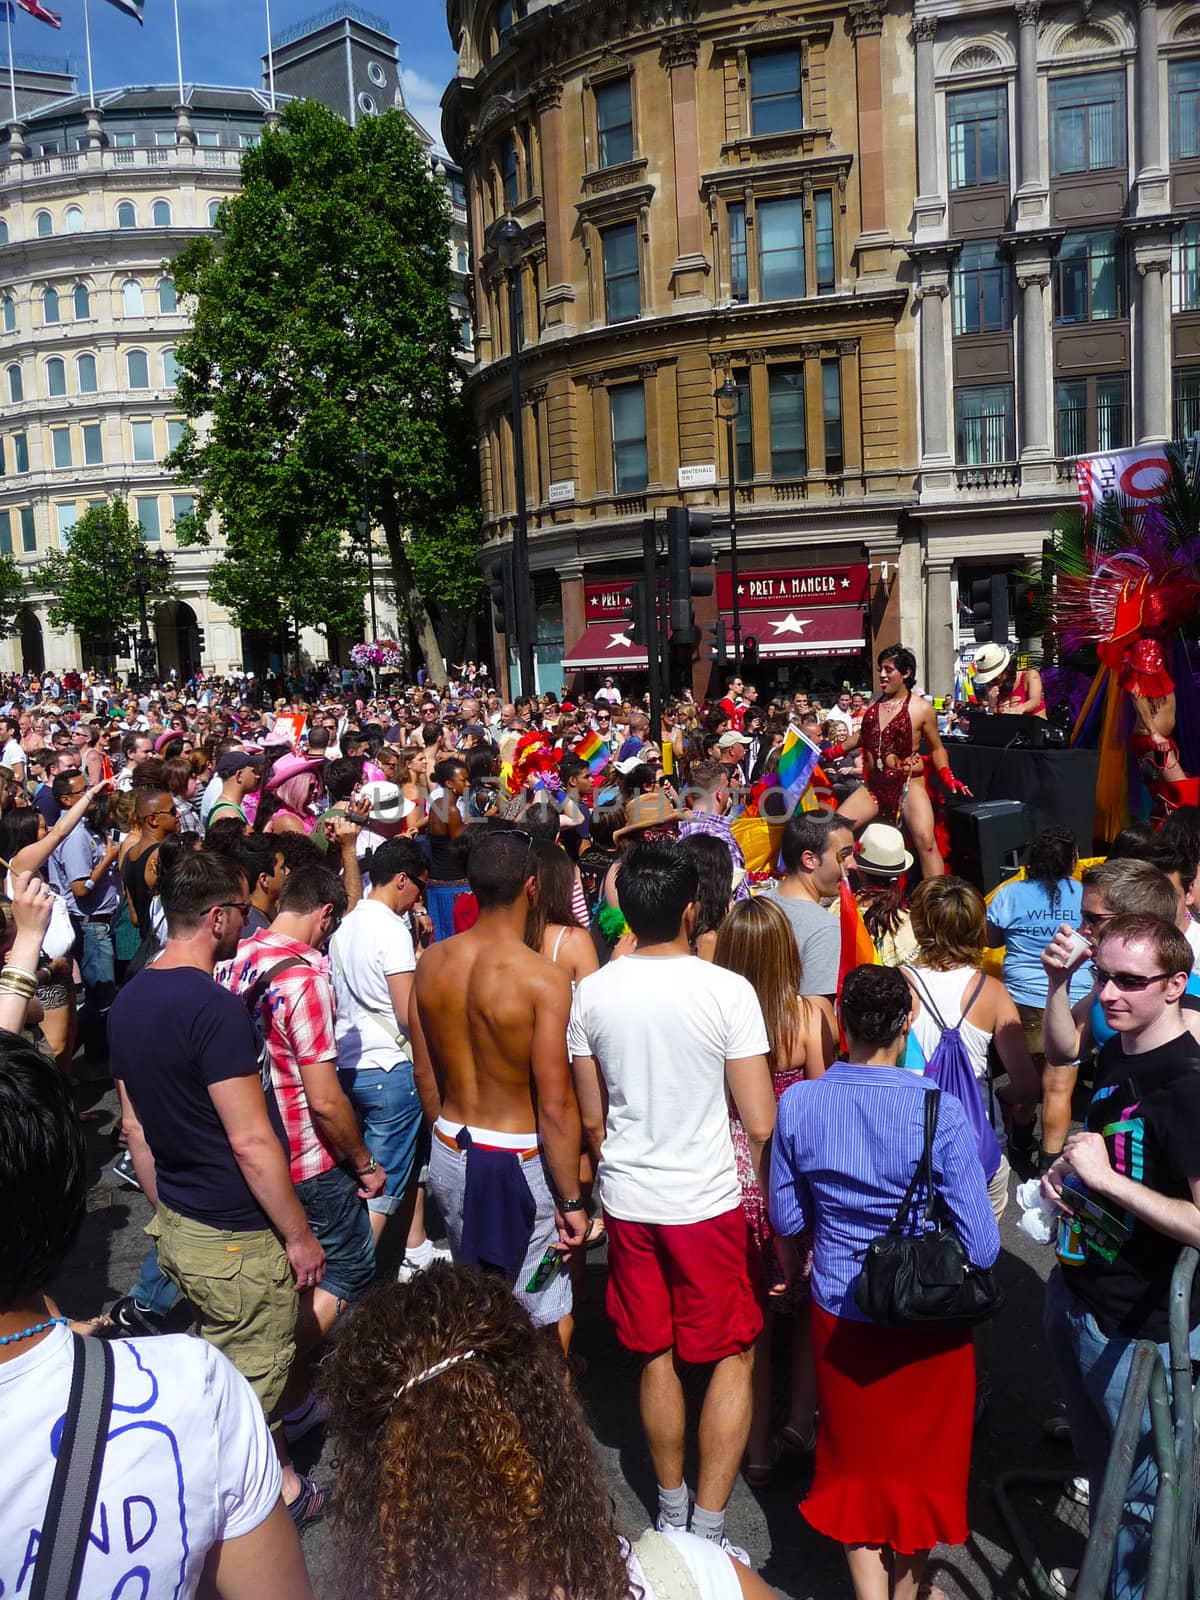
798	1563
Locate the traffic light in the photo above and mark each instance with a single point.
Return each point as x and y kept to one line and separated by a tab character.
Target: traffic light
749	653
717	641
689	552
199	641
1027	620
989	609
500	586
640	627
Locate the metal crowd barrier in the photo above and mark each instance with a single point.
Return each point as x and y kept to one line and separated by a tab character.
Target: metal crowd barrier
1174	1570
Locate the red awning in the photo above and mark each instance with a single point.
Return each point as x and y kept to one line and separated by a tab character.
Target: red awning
803	630
605	645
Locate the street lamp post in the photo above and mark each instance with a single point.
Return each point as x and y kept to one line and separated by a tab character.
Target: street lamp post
150	573
509	236
728	398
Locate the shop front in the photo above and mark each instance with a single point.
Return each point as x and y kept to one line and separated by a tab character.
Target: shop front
801	627
605	649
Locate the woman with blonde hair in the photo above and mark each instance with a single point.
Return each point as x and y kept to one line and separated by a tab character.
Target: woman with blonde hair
756	941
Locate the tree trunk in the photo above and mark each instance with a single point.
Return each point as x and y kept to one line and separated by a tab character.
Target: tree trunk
413	605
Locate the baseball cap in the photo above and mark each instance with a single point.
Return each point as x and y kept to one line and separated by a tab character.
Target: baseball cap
728	740
234	760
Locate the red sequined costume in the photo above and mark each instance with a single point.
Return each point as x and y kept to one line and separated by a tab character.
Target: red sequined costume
888	752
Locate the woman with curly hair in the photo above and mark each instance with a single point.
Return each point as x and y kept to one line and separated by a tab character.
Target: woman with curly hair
466	1468
714	868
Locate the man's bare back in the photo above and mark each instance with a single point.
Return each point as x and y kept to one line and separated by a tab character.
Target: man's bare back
487	1007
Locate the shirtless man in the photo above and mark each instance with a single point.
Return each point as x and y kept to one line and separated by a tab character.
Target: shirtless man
890	736
488	1021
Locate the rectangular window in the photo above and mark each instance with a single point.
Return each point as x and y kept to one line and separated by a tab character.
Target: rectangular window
182	505
739	276
60	443
176	428
823	228
1112	413
1093	414
1087	123
978	132
982	301
124	140
614	122
1087	279
208	139
622	289
6	544
66	516
743	431
93	444
1187	402
1070	404
1185	110
775	105
147	516
781	249
984	432
1185	268
831	409
631	467
143	441
20	452
508	173
28	531
785	389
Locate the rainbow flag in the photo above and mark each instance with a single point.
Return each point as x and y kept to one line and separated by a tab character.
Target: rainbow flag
593	749
858	948
797	762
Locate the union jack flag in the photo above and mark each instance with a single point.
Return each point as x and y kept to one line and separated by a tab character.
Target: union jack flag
41	12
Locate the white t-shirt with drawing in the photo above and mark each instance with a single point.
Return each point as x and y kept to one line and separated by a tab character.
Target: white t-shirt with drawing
371	945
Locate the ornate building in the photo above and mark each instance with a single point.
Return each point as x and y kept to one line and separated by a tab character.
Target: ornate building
708	190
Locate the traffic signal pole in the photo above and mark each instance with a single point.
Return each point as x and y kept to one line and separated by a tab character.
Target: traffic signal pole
656	655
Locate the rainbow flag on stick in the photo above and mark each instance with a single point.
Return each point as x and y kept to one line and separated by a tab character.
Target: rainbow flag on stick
858	948
593	749
797	762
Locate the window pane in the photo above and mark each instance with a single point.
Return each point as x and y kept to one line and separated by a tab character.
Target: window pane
743	431
6	544
823	222
162	214
74	219
147	515
50	306
168	300
10	314
20	453
182	505
1185	110
614	122
132	297
143	441
622	291
87	374
126	215
28	531
67	517
781	249
1088	278
1071	406
739	278
1187	402
508	173
176	429
170	369
981	289
978	137
1112	430
631	469
83	302
56	376
16	385
1185	268
93	444
789	455
137	369
214	207
45	225
831	405
1087	122
775	105
60	439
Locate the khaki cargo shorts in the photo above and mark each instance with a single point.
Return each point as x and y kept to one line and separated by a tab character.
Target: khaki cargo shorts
243	1289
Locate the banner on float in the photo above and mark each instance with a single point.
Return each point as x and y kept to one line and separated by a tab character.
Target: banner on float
1137	475
288	729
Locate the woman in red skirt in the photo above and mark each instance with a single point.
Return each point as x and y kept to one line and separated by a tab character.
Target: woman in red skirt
896	1405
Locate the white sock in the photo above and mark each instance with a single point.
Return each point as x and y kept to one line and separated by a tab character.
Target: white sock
673	1505
708	1524
419	1255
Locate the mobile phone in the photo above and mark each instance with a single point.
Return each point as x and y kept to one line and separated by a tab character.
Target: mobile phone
544	1272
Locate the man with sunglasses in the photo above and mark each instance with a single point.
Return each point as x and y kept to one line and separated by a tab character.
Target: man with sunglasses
1129	1184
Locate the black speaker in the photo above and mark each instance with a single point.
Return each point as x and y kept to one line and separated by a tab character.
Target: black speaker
987	840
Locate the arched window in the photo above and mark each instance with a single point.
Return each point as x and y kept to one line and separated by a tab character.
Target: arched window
10	314
74	219
170	369
85	367
3	231
49	306
168	300
83	302
137	369
127	214
45	224
56	376
16	388
214	207
132	296
162	213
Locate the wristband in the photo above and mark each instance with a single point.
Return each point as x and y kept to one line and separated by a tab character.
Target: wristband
950	783
572	1205
834	753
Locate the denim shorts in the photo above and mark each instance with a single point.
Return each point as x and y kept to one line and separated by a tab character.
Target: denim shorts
389	1108
339	1220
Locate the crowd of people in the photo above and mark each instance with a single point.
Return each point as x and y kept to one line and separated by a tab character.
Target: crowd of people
568	979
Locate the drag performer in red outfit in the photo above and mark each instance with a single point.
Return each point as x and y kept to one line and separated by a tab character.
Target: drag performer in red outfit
890	738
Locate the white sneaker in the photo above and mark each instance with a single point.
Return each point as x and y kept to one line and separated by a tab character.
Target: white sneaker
412	1264
736	1551
1079	1490
663	1524
1062	1581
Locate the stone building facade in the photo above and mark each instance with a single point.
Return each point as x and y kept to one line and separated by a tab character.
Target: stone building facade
707	191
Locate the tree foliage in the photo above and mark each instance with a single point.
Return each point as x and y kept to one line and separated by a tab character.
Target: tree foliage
92	581
322	360
13	596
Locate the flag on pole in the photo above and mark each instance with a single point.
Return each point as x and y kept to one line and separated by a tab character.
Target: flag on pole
8	11
858	948
131	8
797	763
41	12
595	752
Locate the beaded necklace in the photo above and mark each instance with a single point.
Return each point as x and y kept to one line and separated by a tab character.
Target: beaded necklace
28	1333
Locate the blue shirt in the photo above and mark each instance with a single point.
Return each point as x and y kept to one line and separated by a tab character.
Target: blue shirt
1029	915
75	859
844	1152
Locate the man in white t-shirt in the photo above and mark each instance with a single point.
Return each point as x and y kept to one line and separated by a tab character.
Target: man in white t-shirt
190	1482
656	1039
372	960
11	754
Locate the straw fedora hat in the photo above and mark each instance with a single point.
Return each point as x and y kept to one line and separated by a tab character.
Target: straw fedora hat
991	663
880	851
653	810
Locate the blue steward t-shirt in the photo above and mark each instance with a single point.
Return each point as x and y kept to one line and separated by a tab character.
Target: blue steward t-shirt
172	1034
1029	914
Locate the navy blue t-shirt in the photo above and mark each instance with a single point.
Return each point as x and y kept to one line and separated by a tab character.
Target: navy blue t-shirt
171	1034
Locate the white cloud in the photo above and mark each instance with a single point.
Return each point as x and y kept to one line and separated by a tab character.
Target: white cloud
423	98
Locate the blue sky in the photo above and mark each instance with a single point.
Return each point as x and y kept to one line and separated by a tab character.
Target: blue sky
224	39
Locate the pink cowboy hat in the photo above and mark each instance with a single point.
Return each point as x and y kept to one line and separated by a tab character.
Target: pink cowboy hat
291	766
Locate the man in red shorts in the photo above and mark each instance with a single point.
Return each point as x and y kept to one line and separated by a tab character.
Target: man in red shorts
655	1039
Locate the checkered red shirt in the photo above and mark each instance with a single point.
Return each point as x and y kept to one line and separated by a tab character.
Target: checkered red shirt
295	1017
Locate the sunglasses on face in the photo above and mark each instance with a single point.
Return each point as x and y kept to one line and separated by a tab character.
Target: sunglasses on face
1127	982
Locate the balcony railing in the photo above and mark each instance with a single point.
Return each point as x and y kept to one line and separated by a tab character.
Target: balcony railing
993	475
122	160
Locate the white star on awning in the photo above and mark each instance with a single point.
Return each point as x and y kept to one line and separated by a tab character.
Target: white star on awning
622	639
791	624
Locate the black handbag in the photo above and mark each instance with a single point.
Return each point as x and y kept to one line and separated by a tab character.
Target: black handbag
924	1279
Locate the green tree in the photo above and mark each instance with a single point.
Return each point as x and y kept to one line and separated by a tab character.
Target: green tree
13	595
322	360
93	581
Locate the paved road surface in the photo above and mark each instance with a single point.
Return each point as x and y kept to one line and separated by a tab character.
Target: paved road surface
798	1563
